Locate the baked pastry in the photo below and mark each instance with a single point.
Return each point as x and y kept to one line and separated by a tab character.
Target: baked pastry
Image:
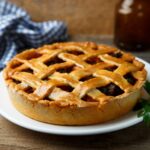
74	83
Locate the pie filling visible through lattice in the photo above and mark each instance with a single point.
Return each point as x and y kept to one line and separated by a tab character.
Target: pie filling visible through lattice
74	83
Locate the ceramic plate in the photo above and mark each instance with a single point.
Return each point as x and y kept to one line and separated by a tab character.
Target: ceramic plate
10	113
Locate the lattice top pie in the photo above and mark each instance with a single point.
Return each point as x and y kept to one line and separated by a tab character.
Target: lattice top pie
72	78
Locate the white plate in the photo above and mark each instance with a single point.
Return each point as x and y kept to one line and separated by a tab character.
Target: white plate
10	113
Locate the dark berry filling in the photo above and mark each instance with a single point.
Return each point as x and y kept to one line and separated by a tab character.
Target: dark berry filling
129	77
117	54
28	70
111	90
86	78
76	52
111	68
29	90
16	81
88	99
93	60
65	70
67	88
33	55
53	61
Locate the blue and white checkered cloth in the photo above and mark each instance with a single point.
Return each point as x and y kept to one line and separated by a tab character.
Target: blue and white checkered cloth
18	32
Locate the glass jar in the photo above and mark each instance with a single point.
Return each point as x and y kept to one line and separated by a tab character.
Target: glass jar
132	25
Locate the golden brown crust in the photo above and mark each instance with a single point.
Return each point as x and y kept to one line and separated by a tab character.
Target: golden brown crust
72	83
74	115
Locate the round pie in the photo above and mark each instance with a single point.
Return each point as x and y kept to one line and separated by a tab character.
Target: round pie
74	83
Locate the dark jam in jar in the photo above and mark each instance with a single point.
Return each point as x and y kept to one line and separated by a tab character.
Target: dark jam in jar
132	25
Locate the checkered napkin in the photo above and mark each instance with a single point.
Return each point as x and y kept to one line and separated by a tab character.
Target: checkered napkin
18	32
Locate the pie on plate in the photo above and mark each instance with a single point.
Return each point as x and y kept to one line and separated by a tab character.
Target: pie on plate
74	83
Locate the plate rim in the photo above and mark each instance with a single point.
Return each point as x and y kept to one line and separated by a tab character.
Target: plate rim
81	132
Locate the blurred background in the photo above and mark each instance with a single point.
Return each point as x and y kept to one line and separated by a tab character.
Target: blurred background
80	17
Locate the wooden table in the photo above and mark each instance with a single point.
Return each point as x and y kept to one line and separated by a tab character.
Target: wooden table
13	137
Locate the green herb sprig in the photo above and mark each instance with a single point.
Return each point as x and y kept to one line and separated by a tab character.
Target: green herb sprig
145	106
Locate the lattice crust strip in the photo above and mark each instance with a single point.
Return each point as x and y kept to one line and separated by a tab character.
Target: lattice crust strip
74	72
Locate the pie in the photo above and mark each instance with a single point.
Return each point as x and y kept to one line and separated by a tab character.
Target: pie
74	83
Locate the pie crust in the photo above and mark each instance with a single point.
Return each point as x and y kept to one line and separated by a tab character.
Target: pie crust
74	83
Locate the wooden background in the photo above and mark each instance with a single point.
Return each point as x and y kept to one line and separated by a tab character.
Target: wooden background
82	16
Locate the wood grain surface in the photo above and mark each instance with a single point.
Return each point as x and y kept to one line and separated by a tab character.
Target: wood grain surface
82	17
13	137
17	138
